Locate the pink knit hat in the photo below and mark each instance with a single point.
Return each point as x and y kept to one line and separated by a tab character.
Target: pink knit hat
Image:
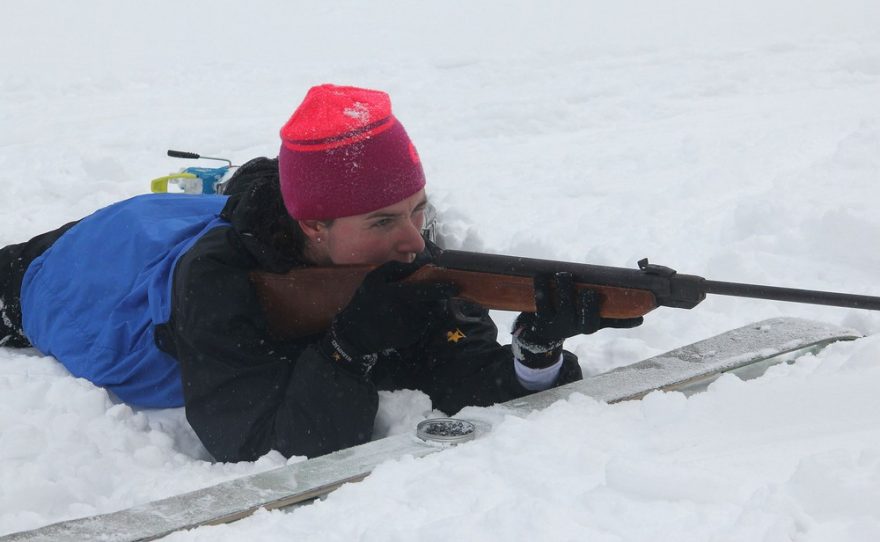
343	153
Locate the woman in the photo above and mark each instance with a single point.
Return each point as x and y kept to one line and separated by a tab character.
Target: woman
151	299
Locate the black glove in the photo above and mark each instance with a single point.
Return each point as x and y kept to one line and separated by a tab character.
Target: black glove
383	314
562	312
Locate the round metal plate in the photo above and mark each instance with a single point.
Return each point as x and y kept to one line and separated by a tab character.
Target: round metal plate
446	430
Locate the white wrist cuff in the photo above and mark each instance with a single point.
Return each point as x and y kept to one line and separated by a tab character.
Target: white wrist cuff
537	379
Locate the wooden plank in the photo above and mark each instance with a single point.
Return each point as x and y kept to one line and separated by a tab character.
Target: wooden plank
302	482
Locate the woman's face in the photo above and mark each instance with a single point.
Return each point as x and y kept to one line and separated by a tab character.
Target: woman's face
391	233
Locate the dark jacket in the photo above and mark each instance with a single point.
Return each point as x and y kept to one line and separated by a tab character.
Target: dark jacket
246	392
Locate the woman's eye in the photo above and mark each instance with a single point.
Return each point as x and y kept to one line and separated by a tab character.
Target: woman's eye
382	223
418	218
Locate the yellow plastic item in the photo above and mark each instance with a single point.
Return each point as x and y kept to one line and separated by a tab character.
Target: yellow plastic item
160	184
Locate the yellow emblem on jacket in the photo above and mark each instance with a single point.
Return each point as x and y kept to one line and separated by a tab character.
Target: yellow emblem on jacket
455	336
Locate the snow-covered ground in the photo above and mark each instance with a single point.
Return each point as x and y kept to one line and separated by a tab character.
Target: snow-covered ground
739	142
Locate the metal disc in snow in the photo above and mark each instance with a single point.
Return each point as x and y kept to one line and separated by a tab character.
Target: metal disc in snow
446	431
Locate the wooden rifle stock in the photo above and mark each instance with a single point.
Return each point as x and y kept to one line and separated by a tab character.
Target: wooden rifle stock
304	301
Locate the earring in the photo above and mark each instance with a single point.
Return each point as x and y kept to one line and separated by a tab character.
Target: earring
318	239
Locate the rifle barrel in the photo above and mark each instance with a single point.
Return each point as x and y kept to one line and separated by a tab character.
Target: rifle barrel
794	295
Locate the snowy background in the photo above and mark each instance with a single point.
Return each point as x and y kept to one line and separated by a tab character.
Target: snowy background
738	141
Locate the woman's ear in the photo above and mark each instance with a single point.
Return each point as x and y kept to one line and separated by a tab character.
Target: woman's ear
313	229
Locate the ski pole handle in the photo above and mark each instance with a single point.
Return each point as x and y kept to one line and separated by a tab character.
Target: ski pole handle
182	154
192	155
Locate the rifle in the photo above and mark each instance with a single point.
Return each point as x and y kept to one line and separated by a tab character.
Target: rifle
304	301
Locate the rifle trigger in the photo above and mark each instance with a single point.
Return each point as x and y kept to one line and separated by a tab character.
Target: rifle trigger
654	269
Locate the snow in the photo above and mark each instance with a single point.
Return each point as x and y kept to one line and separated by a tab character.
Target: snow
739	142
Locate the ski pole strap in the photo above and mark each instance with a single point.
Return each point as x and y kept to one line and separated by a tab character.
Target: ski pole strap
192	180
159	185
